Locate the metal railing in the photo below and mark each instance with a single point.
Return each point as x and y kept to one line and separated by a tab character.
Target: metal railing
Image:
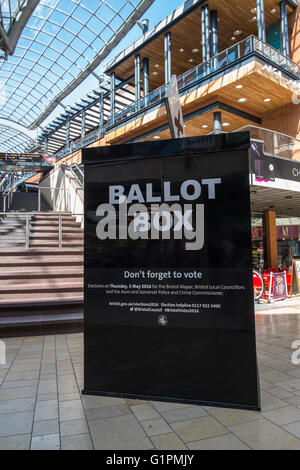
6	190
81	143
220	61
28	216
243	49
78	173
41	188
275	143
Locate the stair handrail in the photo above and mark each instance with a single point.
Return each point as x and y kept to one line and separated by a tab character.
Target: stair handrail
8	192
74	174
77	167
28	218
5	182
55	189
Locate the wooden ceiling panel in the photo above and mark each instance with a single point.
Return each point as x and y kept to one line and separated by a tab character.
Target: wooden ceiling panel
204	124
186	34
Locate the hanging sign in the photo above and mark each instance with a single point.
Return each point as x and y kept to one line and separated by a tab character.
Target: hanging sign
174	110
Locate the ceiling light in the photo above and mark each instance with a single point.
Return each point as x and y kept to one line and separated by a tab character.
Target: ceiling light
239	87
191	60
226	124
205	126
267	100
194	51
156	137
242	100
181	50
253	10
274	10
233	38
154	73
156	65
254	18
237	32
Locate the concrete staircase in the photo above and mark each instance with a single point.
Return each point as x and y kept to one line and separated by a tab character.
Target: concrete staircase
28	202
12	231
41	289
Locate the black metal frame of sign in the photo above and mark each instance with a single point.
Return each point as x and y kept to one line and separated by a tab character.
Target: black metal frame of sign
169	308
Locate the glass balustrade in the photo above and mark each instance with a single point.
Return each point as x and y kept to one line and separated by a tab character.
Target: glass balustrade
243	49
275	143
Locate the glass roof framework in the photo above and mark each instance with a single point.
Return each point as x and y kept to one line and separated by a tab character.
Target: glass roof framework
90	106
9	10
12	141
59	43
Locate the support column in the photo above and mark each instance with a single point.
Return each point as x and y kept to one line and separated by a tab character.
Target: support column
137	77
207	40
214	32
112	95
168	58
284	30
203	35
68	134
260	15
101	111
270	240
83	124
217	122
146	76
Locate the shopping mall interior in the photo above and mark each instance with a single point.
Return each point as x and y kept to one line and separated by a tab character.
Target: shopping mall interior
84	74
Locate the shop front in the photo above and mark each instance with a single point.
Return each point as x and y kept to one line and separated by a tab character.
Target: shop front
287	245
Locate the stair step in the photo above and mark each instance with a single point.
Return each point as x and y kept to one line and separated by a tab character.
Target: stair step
51	279
12	238
55	261
39	224
20	302
54	244
50	229
9	231
50	218
38	319
33	252
11	225
53	285
29	272
75	236
50	308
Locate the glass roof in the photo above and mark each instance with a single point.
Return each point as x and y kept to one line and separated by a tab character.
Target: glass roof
60	40
12	141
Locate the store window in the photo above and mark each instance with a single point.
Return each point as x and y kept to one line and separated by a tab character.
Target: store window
288	234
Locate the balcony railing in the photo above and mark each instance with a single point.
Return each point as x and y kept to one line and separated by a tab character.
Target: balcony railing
221	61
275	143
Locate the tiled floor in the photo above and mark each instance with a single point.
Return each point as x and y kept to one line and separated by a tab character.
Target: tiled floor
41	406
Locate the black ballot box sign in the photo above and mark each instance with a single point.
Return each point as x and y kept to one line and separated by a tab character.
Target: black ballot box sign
168	295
